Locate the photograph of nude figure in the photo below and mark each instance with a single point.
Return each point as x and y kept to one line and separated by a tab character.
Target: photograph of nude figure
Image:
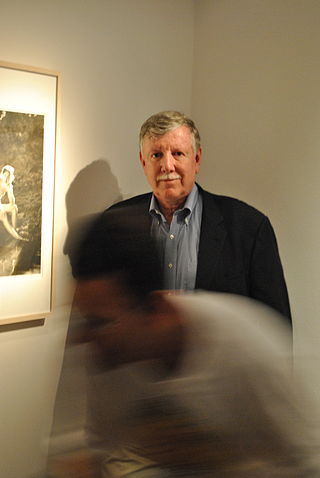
21	177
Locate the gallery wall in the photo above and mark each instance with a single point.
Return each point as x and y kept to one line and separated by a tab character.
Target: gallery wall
117	61
247	70
256	99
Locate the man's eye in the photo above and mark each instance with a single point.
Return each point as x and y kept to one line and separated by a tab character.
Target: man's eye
156	156
178	154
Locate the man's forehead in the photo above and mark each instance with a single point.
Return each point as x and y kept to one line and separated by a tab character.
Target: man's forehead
181	134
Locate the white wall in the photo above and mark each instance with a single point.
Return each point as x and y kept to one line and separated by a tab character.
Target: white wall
118	64
256	99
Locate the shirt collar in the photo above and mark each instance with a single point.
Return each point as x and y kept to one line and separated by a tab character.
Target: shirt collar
188	207
192	199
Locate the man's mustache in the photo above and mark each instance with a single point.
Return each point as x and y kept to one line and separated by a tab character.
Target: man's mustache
168	176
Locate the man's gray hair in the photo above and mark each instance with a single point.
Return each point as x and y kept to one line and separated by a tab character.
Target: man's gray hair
165	121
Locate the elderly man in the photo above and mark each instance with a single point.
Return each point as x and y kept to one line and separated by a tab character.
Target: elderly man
207	241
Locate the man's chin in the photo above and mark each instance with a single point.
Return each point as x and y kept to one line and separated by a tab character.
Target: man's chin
171	195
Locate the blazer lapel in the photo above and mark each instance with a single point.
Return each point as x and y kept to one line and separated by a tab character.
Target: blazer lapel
212	237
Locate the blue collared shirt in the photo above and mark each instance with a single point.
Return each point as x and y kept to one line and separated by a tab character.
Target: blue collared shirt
179	241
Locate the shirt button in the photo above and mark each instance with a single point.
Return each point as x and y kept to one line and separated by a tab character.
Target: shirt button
171	236
170	265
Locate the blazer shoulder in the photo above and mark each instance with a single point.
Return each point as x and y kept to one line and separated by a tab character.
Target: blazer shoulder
230	207
140	200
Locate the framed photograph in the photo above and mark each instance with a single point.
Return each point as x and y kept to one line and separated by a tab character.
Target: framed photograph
28	110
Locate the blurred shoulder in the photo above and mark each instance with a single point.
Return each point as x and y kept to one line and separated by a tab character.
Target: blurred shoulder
235	318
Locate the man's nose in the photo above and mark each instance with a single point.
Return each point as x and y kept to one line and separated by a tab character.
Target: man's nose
167	163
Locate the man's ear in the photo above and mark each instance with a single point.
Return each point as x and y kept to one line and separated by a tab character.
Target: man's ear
198	159
142	161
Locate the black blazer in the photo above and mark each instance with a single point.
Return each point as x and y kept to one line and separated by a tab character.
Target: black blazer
238	251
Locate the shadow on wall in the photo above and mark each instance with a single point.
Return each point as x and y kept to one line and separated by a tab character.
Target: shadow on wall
93	190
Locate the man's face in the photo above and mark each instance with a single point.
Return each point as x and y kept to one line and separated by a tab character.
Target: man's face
121	329
170	165
114	325
104	299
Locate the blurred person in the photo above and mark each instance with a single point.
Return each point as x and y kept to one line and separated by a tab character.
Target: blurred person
207	241
181	385
9	209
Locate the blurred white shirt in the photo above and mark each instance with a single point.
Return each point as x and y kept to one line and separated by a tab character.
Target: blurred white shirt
232	407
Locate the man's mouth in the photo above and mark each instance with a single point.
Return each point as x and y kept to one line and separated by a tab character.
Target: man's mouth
168	177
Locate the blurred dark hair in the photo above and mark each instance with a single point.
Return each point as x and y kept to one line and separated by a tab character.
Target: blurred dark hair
119	241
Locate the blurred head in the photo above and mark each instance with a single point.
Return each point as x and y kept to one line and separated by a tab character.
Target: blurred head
170	155
119	244
117	270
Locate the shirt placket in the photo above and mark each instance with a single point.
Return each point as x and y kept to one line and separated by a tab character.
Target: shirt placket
171	254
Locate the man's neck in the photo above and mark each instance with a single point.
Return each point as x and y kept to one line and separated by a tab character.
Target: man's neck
168	209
